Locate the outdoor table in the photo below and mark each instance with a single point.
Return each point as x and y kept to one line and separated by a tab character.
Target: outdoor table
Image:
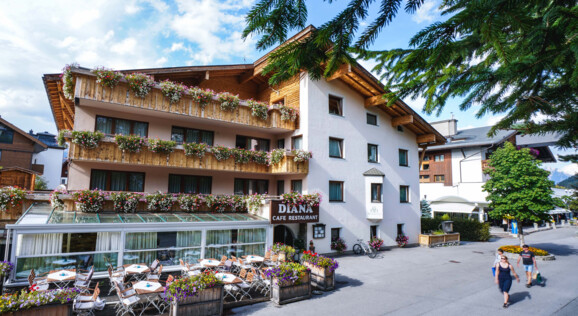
61	278
149	290
254	259
136	271
210	263
229	279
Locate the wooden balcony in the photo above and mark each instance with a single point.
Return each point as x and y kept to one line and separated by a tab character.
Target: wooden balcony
109	152
87	89
485	164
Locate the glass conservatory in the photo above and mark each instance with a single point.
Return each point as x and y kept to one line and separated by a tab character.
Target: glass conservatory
46	239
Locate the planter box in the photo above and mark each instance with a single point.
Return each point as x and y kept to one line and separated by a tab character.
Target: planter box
452	239
321	278
291	293
208	302
46	310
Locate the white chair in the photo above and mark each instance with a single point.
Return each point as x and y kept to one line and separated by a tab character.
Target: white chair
82	281
155	275
266	284
126	302
86	304
38	285
115	276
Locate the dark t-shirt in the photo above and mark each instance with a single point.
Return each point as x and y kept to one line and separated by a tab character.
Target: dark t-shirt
527	257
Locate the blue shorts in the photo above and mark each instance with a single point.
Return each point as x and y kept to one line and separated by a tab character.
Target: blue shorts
529	267
504	285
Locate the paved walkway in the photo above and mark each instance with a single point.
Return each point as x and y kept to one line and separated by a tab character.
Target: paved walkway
443	281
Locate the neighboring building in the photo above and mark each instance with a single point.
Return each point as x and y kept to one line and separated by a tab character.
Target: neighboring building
17	149
364	161
51	158
451	175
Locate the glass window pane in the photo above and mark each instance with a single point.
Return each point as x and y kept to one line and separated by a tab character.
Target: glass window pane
117	181
297	186
372	153
219	237
178	135
205	185
140	129
402	157
207	138
251	235
6	134
280	187
335	191
189	239
335	104
371	119
240	185
122	127
262	187
174	183
98	180
335	147
298	142
193	136
138	241
104	124
136	182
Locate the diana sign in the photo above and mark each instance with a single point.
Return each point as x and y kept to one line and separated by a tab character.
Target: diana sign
286	214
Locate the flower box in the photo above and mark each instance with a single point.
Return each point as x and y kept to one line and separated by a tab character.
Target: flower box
291	293
429	240
45	310
208	302
321	278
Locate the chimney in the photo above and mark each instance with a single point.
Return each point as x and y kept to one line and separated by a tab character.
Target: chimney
447	128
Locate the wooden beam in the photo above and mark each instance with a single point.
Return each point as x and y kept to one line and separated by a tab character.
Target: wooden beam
426	139
402	120
423	150
246	77
207	75
375	101
341	71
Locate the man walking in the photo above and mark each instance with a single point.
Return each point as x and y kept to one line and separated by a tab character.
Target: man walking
529	262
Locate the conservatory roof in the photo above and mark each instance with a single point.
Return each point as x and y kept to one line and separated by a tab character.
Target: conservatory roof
44	214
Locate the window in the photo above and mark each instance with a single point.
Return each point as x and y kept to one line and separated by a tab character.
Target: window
297	186
280	187
335	233
439	178
297	142
404	194
425	166
189	184
439	158
373	231
426	158
400	128
400	229
403	157
251	186
371	119
372	151
191	135
6	134
424	178
167	247
375	192
281	143
335	105
335	191
108	180
247	142
112	126
78	242
335	147
319	231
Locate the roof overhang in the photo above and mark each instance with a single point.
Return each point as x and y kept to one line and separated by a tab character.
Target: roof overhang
39	146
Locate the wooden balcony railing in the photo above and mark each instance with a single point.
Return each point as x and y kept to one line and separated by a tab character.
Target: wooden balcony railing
110	153
87	88
485	164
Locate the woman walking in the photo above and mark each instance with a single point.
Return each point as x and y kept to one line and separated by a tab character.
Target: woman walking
504	279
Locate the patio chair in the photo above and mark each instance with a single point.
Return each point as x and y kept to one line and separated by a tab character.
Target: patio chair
82	282
227	266
87	304
184	267
155	276
38	286
84	274
273	262
126	302
164	303
125	291
154	265
246	285
266	284
39	279
115	276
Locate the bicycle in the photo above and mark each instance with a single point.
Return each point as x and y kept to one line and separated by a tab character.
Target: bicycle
362	246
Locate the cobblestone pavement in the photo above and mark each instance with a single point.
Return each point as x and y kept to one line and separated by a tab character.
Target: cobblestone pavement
444	281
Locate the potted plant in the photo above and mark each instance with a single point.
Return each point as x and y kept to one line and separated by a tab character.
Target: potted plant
125	202
140	84
221	152
196	295
87	139
276	155
89	201
401	240
229	102
32	302
130	143
11	197
195	149
290	282
191	202
322	270
159	201
202	97
68	81
288	113
160	146
5	268
376	243
301	155
285	252
107	77
338	245
258	109
173	91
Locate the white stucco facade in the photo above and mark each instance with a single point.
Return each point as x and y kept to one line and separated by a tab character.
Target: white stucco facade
51	158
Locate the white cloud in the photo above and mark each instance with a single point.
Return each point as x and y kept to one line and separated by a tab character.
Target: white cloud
493	120
177	47
426	13
570	169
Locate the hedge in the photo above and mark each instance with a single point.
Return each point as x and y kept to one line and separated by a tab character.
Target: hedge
470	230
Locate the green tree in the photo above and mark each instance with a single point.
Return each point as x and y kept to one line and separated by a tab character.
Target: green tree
518	188
425	209
40	183
512	57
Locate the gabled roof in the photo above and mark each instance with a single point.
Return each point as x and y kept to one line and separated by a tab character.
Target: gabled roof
23	133
21	170
475	137
374	172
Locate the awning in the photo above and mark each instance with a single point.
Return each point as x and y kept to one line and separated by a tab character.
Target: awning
450	207
559	210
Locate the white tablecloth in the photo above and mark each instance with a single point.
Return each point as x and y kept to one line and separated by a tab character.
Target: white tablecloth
142	285
225	277
61	275
136	268
210	263
251	259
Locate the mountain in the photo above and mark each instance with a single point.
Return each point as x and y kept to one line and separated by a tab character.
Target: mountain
558	176
570	183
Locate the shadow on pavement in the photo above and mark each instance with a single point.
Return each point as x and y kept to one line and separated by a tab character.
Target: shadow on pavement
557	249
519	297
342	281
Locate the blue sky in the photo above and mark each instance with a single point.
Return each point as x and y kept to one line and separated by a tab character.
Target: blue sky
40	37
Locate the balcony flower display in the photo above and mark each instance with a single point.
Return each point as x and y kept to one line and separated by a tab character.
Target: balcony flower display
24	300
229	101
68	81
191	202
241	155
288	273
301	155
159	201
160	146
375	243
338	245
221	152
260	157
125	202
276	155
226	202
195	149
87	139
191	286
288	113
107	77
55	200
140	84
401	240
254	201
173	91
295	199
89	201
5	268
320	261
258	109
130	143
201	96
11	197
